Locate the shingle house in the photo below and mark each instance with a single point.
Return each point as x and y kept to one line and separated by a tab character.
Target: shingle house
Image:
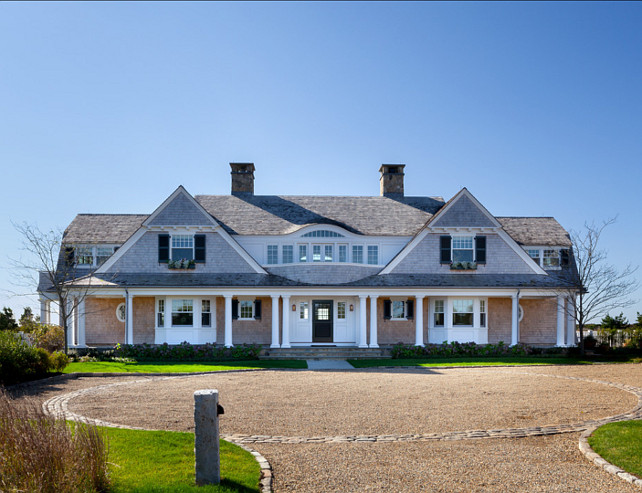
285	271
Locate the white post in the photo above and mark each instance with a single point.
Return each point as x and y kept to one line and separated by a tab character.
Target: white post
514	334
275	321
560	321
373	322
228	320
419	321
71	339
81	323
45	311
129	319
363	329
285	343
206	437
570	322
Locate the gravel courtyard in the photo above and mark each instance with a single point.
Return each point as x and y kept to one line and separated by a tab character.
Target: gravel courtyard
304	405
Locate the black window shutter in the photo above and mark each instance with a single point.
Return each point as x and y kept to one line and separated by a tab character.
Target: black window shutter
163	248
564	256
480	249
444	246
387	309
410	309
69	256
257	310
235	309
199	248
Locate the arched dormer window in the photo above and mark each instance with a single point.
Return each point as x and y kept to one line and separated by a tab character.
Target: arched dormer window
322	233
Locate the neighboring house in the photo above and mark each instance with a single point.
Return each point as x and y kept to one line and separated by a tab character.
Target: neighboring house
318	270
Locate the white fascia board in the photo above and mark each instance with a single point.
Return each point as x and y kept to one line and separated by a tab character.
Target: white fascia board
521	252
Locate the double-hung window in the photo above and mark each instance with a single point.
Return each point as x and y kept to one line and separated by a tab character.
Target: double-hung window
316	253
551	258
328	251
373	255
439	313
182	313
398	310
85	255
463	249
273	254
482	313
182	247
535	255
357	254
287	254
463	312
206	314
246	309
160	314
303	253
343	253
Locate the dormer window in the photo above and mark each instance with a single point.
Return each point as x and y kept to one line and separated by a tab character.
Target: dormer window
178	247
182	247
547	257
463	249
551	258
92	255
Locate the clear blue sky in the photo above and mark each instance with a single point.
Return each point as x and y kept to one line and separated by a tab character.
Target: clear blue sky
535	107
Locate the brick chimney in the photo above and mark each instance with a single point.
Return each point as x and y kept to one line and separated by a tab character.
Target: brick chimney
391	181
242	178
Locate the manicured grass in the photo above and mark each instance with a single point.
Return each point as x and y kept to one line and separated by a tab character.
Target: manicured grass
620	444
177	367
163	461
472	361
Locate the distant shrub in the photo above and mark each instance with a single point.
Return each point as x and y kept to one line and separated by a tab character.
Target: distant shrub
458	349
19	361
49	337
185	352
40	454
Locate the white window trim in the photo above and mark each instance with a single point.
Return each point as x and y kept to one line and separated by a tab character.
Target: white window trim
196	311
452	246
118	308
171	244
94	252
448	312
541	256
251	301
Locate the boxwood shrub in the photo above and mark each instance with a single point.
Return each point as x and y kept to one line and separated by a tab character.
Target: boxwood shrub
186	352
459	349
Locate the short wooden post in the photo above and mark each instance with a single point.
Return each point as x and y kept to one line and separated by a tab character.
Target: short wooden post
206	436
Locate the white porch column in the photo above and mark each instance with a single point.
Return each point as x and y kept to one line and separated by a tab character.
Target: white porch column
363	329
81	323
45	311
129	319
514	334
285	342
373	322
419	321
570	322
560	321
228	320
71	339
275	320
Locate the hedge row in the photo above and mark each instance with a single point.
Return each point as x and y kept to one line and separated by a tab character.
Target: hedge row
20	362
185	352
459	349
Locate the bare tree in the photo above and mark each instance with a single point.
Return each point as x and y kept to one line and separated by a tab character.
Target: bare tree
50	267
600	287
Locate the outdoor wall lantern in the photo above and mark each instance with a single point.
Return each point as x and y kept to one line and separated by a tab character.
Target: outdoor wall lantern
351	308
293	307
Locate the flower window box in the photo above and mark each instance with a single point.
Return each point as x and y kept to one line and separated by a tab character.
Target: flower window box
181	264
463	266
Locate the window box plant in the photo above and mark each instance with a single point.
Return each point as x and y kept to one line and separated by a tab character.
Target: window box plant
181	264
463	266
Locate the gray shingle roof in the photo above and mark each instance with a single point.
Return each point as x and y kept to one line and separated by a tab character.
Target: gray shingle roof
276	215
535	231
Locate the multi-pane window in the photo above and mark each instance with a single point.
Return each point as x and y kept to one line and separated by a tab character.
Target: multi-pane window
463	249
182	312
328	251
551	258
439	313
323	233
246	309
373	255
102	254
84	255
273	254
316	253
303	253
482	313
463	312
303	310
534	254
341	310
357	254
398	310
288	254
206	315
160	314
343	253
182	247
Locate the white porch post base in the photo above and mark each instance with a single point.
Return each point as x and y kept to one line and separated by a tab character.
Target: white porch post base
363	334
419	321
228	320
373	322
275	321
285	342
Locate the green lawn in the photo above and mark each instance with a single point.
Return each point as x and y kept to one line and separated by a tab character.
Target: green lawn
177	367
620	444
163	461
471	361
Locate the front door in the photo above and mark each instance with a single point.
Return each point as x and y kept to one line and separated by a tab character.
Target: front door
322	321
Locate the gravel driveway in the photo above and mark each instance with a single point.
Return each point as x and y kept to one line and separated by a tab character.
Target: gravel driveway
393	402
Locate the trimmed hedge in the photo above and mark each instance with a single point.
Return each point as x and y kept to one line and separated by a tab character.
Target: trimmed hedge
458	349
185	352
